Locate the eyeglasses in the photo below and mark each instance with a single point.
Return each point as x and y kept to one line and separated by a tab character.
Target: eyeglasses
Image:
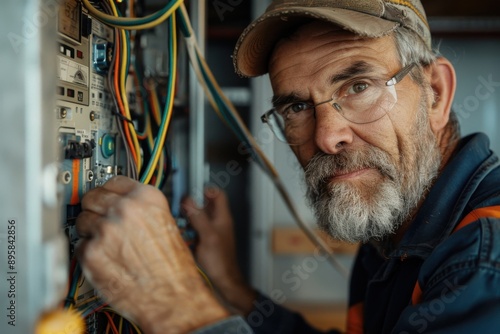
360	100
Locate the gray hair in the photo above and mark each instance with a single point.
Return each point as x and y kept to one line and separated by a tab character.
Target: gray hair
412	49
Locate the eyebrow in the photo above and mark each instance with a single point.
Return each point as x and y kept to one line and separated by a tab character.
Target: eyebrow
279	100
358	68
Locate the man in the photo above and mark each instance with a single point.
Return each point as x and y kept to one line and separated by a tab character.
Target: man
366	108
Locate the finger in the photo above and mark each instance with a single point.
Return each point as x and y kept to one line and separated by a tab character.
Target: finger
92	260
88	224
125	186
217	205
121	185
189	207
217	197
80	248
99	200
196	216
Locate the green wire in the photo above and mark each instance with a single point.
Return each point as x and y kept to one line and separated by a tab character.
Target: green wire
227	115
169	98
74	283
141	20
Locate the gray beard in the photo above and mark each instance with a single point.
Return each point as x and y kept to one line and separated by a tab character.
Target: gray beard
372	210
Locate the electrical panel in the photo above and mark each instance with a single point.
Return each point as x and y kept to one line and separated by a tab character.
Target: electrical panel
91	141
88	136
88	100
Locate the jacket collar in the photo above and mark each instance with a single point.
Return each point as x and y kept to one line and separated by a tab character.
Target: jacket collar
446	202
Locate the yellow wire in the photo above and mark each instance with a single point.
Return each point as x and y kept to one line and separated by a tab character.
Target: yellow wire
135	327
120	326
150	140
205	277
109	309
123	93
162	136
161	166
156	113
78	282
86	301
148	25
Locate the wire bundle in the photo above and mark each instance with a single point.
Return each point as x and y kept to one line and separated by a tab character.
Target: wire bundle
94	305
135	149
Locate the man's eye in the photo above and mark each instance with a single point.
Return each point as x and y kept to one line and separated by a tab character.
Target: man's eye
297	107
357	88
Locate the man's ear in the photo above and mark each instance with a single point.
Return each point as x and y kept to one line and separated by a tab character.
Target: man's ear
442	78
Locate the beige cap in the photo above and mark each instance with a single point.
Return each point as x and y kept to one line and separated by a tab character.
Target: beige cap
370	18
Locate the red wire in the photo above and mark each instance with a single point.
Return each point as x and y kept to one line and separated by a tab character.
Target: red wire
120	103
110	319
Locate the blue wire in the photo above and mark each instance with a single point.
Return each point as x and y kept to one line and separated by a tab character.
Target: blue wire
71	294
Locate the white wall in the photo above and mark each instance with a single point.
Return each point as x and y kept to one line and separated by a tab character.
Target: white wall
477	61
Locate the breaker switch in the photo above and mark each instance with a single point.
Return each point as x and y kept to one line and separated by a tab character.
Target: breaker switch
77	150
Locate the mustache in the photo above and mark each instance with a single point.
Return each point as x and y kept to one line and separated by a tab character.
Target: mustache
322	167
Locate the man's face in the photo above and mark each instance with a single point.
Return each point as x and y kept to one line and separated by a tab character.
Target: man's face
363	179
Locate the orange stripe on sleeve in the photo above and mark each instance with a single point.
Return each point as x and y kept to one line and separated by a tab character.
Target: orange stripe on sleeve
416	296
489	211
355	319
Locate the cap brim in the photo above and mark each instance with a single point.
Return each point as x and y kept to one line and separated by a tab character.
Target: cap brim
253	49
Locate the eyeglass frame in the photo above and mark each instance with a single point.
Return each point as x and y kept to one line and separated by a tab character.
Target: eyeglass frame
397	78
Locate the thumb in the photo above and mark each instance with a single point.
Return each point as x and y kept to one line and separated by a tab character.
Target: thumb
196	216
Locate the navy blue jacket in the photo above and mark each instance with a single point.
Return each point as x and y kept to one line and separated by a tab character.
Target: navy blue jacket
457	274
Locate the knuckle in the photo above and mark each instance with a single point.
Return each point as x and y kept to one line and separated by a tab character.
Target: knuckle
123	207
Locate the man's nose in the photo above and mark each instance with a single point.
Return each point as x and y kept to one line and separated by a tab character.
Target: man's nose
332	132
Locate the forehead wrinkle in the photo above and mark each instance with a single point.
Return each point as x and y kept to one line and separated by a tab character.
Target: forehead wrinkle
337	46
336	51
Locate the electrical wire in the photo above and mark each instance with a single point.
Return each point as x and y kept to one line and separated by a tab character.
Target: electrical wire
121	72
167	114
111	322
155	104
146	22
229	115
72	293
120	325
141	94
205	277
108	309
155	107
131	166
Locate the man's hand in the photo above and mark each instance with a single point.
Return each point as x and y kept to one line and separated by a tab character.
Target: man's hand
132	253
216	250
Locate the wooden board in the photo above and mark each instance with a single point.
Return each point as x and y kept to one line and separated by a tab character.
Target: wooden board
291	240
